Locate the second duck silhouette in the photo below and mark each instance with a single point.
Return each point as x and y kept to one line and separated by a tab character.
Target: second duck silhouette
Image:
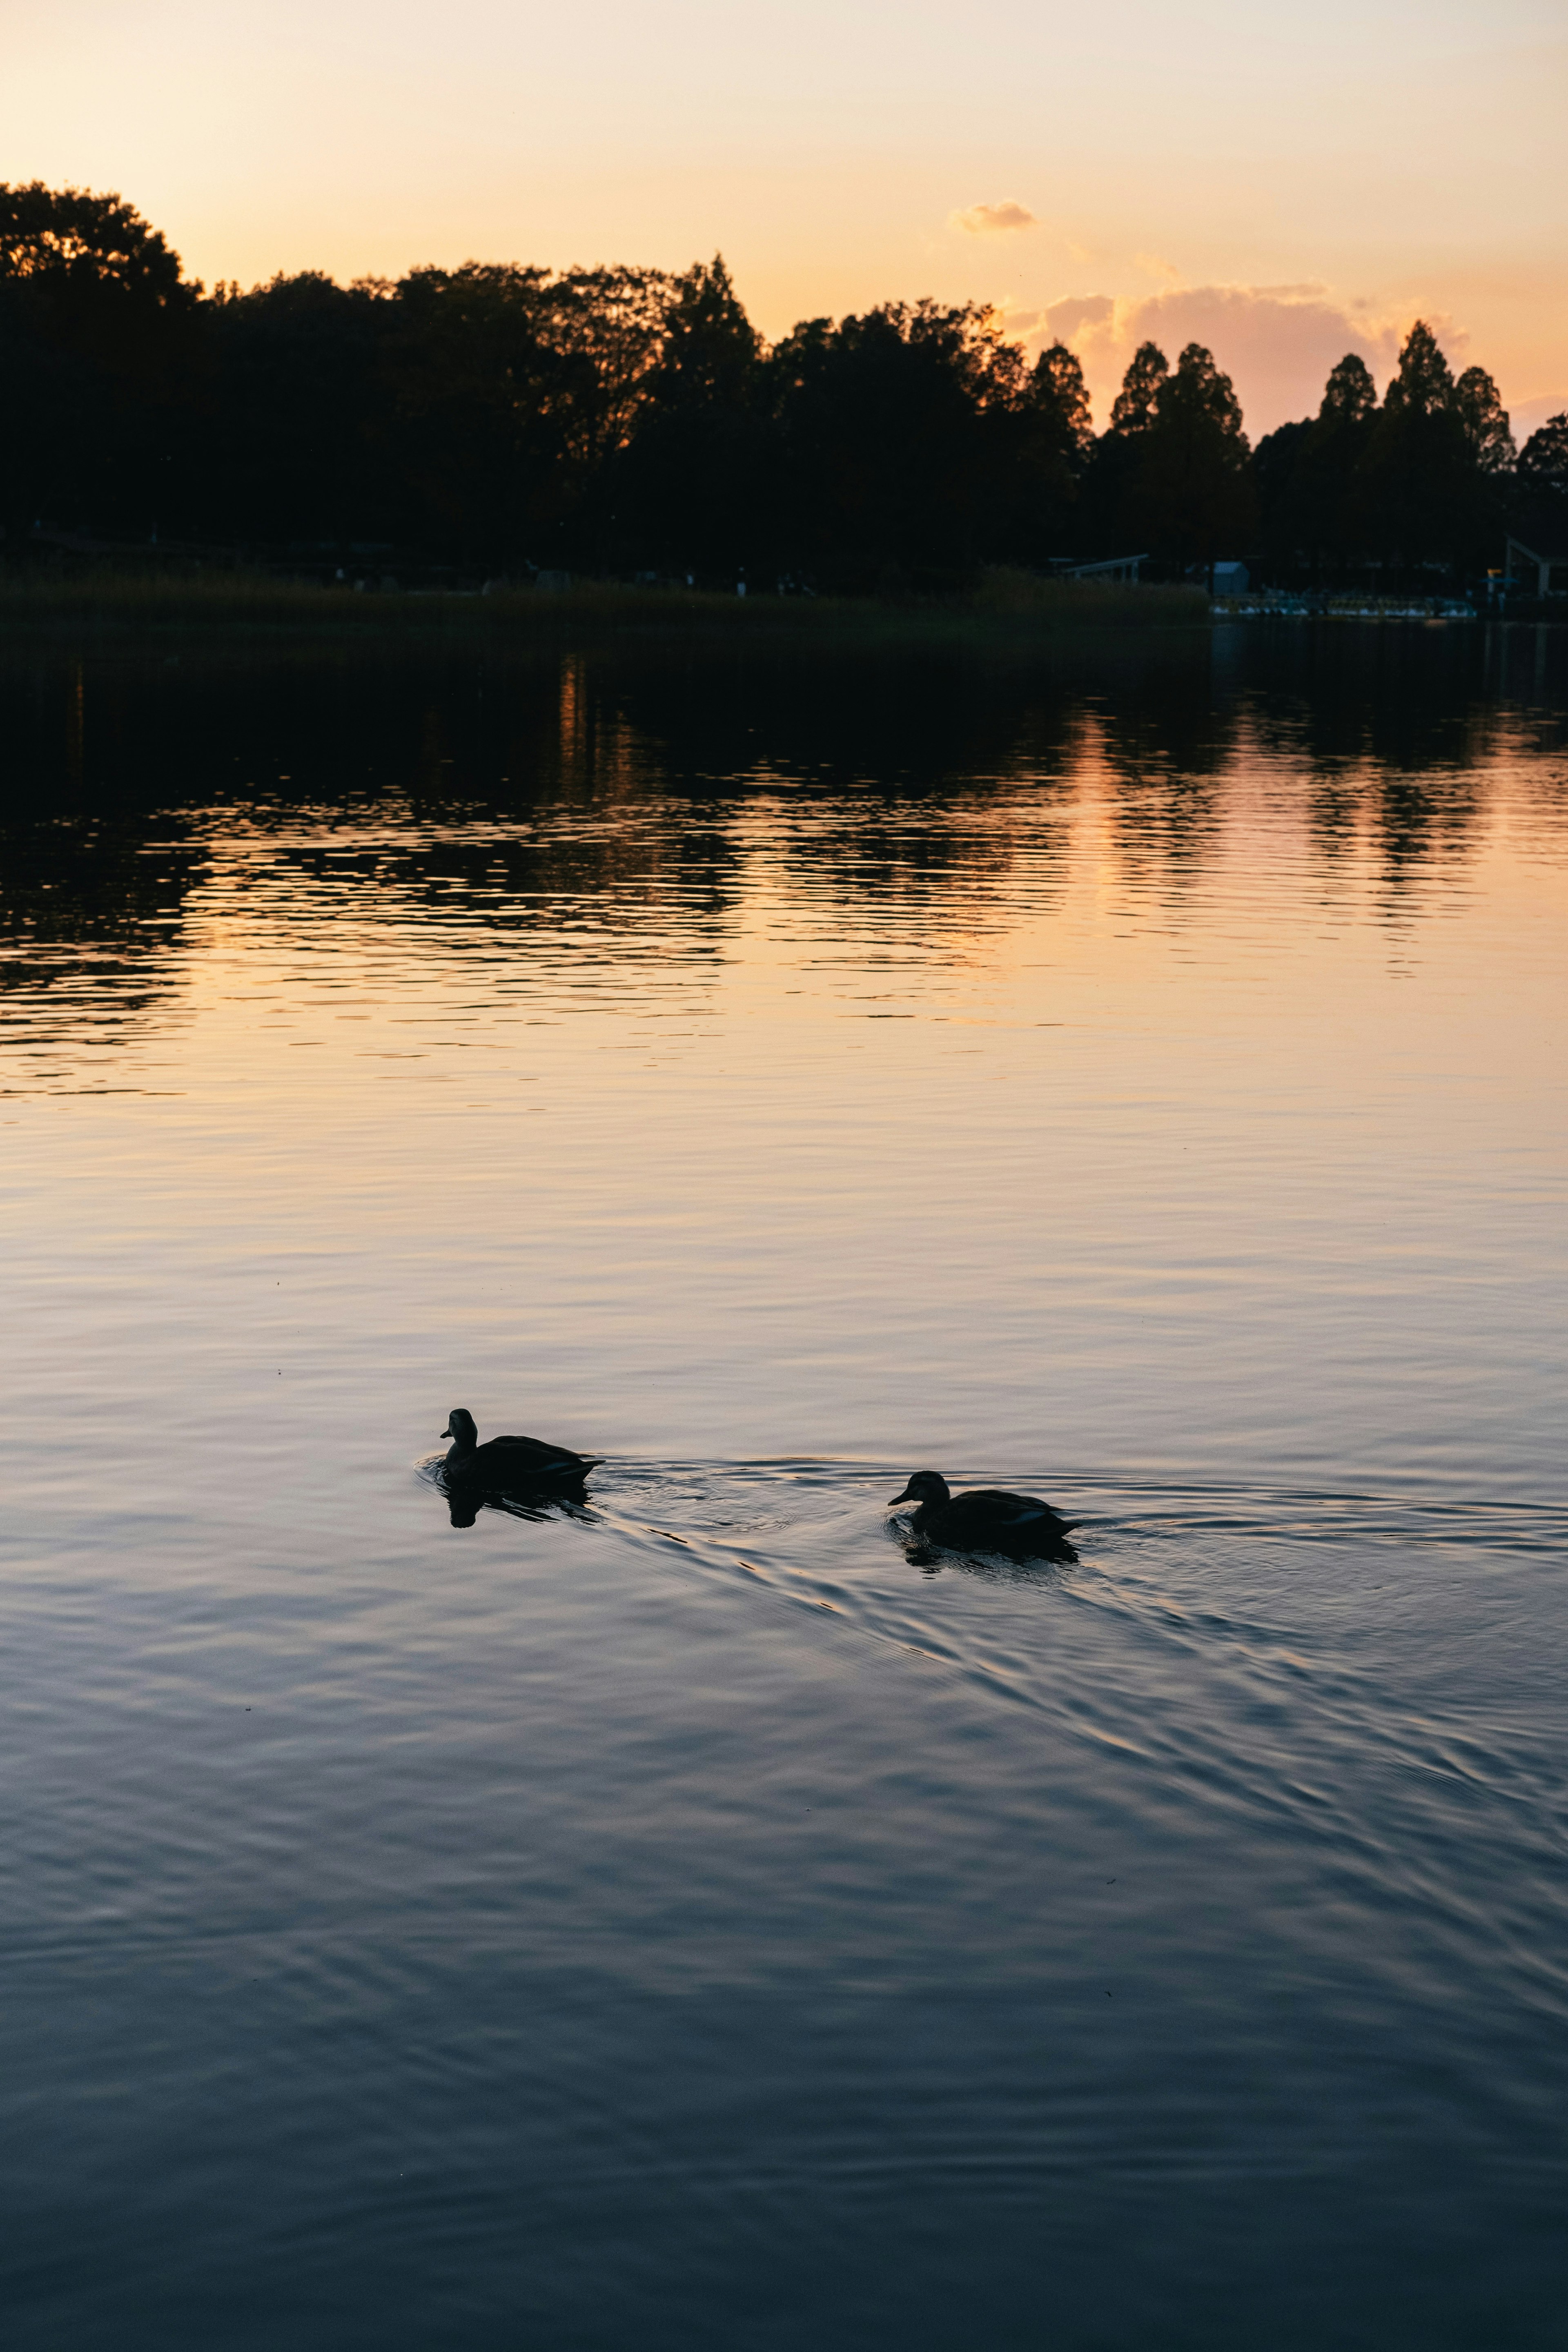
985	1519
509	1465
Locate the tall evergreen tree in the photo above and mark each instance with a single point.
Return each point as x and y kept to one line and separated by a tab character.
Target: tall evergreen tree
1132	411
1423	480
1336	459
1543	460
1537	508
1289	525
1059	398
1115	520
1192	487
1350	396
1485	421
1423	384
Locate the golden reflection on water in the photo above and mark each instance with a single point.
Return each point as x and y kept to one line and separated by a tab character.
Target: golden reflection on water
1201	1110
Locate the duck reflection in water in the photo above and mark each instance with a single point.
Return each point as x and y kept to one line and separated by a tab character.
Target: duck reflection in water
986	1519
525	1476
464	1506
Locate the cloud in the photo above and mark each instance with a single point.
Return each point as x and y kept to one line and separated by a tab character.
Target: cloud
1276	342
983	220
1527	416
1068	319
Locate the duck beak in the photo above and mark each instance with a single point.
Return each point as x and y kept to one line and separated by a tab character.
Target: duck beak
905	1497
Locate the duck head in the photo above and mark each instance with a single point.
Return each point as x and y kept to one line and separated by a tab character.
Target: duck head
927	1486
462	1428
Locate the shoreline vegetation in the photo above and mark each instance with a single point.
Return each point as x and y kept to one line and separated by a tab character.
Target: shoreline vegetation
1004	604
504	421
1005	608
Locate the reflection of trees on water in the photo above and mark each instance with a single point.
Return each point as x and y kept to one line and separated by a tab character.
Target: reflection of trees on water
90	918
912	783
622	804
1164	754
1398	731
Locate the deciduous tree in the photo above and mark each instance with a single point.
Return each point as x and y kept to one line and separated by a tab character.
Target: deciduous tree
100	339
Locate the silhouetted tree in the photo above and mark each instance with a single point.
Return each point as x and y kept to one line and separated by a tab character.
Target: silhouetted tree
1191	482
100	346
510	390
1289	519
1543	460
887	466
610	323
1350	396
1328	517
1425	502
1058	398
711	351
1050	437
296	439
1423	385
1132	410
625	418
1485	421
692	489
477	388
1537	508
1115	512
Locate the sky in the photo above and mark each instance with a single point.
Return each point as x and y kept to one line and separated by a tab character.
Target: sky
1284	185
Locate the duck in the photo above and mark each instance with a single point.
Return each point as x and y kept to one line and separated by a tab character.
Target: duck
985	1519
504	1463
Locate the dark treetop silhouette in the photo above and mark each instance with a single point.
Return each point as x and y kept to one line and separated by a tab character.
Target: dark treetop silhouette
494	417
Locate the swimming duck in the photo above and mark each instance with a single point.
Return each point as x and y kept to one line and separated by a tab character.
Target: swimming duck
503	1463
986	1519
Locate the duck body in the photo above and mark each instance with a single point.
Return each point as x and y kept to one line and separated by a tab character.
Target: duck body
987	1518
504	1464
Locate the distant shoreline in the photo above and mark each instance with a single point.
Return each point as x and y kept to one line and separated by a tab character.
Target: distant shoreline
1006	604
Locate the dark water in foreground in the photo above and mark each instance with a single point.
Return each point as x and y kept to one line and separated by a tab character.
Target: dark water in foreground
692	1924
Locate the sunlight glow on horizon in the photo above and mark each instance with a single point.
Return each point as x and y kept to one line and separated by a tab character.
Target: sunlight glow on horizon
1282	188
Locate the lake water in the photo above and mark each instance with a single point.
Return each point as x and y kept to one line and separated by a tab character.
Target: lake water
1135	1074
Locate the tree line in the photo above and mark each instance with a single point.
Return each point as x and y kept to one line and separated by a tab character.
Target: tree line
496	417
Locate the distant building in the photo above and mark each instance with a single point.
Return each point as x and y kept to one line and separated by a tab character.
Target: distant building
1231	579
1539	545
1111	567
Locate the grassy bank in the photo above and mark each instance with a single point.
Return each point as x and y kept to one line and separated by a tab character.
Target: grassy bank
1014	604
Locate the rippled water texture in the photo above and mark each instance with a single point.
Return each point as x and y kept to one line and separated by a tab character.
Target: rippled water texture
690	1922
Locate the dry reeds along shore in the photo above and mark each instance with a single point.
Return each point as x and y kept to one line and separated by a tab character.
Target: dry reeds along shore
1004	602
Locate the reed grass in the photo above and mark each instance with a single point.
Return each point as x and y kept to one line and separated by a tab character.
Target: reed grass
1009	603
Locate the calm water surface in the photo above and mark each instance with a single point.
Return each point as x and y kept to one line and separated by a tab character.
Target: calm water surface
691	1923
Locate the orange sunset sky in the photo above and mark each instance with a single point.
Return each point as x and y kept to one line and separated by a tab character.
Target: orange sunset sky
1282	184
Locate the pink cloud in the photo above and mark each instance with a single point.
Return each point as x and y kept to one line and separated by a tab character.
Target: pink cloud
1527	416
983	220
1276	342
